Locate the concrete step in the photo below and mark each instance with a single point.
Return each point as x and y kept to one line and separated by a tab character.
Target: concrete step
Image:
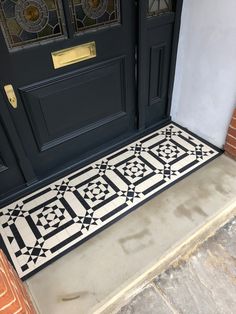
107	269
204	282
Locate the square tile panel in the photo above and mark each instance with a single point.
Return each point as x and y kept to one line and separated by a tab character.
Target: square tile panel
41	227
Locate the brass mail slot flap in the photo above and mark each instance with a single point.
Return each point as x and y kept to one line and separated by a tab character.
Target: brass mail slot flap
73	55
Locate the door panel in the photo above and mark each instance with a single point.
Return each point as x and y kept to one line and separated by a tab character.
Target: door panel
157	60
64	108
156	28
160	47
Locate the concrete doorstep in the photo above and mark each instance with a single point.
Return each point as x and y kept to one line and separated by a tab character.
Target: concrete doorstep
189	278
102	275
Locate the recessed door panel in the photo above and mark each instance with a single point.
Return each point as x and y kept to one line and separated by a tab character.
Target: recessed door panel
160	47
157	61
66	107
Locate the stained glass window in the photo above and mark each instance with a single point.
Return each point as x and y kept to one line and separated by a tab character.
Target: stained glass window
87	14
29	21
157	7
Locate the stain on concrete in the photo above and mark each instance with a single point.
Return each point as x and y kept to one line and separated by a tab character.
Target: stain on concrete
203	192
75	296
188	211
145	220
221	188
199	211
136	242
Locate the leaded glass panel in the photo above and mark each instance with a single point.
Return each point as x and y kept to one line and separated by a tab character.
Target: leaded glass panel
157	7
25	22
88	14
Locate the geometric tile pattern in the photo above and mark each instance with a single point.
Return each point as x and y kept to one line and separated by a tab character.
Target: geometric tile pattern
39	228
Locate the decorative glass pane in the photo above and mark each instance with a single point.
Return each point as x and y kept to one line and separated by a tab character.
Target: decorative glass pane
157	7
87	14
29	21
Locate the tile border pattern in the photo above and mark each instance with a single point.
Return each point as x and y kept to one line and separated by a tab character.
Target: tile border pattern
44	225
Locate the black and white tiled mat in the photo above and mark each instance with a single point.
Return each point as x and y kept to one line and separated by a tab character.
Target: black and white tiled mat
41	227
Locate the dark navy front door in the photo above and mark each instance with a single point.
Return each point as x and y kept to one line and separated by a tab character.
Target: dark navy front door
65	112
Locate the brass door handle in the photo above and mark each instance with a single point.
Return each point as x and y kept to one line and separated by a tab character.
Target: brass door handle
11	96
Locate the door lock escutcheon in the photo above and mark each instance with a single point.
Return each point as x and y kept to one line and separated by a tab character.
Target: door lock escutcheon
11	96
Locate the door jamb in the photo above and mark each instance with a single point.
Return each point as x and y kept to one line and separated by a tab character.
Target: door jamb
175	43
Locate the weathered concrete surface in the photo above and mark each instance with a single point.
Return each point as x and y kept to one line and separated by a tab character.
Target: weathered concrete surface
206	283
94	272
203	283
154	303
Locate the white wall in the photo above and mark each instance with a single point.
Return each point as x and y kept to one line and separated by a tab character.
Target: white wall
205	83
